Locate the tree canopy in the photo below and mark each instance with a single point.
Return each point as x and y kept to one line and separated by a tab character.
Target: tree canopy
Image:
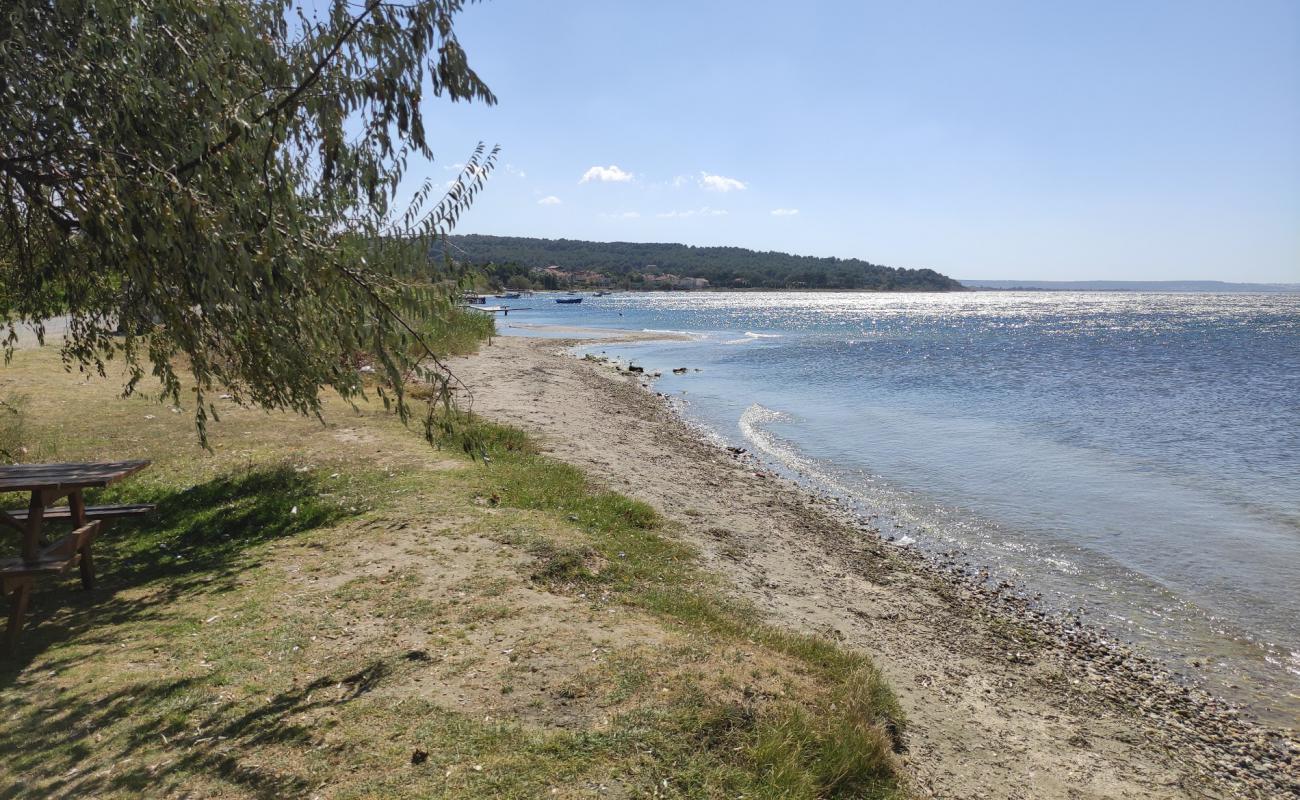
216	181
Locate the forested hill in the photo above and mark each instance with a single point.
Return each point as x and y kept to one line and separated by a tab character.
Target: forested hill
722	266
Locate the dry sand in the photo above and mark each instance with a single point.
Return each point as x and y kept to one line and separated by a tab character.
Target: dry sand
1001	703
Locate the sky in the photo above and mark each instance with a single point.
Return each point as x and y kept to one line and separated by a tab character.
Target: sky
1137	140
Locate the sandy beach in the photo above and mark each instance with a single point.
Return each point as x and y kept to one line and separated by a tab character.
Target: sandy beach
1001	701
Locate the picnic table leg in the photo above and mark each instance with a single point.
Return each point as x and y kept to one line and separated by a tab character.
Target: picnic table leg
18	598
77	504
32	536
87	568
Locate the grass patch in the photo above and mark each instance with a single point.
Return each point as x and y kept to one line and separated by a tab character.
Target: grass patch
843	750
460	331
207	528
18	442
475	436
564	566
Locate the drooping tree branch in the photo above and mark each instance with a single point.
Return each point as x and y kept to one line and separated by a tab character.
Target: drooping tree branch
289	99
269	254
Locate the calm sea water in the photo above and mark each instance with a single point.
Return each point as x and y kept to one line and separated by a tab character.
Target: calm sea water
1136	456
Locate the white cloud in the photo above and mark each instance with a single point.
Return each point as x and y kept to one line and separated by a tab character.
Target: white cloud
606	174
680	181
549	200
693	212
784	212
719	183
511	169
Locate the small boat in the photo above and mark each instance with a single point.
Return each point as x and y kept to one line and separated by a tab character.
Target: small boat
510	296
568	300
477	299
601	294
498	309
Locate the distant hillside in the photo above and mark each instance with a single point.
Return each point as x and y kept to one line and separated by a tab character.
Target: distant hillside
723	266
1132	286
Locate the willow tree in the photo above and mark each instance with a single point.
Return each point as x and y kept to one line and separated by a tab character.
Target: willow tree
212	183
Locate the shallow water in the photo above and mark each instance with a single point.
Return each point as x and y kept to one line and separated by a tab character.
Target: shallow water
1133	455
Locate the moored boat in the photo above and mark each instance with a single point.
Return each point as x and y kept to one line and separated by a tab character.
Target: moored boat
568	300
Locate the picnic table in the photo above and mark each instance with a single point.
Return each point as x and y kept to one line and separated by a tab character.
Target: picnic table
47	484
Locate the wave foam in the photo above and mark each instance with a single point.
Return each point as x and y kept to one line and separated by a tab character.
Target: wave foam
757	415
750	337
752	426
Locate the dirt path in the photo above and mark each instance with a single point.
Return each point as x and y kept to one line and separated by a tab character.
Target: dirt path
995	710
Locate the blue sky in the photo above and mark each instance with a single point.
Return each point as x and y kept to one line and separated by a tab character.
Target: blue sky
1119	140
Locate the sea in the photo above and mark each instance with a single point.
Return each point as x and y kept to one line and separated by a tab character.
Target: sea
1134	458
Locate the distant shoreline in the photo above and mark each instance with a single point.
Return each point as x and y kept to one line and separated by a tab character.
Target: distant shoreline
1169	287
1253	288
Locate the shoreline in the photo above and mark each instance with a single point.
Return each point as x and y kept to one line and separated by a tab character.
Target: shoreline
1001	696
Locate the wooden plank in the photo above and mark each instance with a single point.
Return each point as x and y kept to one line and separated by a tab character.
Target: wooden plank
12	569
77	505
66	548
92	512
87	565
53	559
33	477
31	536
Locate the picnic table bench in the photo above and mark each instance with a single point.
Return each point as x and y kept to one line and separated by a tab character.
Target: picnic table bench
92	512
48	483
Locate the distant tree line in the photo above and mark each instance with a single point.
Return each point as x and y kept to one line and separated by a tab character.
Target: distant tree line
514	276
724	267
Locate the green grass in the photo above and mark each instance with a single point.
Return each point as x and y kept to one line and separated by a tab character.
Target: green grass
475	436
18	442
458	332
206	528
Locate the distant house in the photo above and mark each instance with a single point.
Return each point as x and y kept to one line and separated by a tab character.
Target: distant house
554	272
559	276
667	280
664	280
589	278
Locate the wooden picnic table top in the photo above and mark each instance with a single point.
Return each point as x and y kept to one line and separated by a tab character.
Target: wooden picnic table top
83	475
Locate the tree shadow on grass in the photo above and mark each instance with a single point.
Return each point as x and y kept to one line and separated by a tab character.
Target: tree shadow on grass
201	533
171	723
198	541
